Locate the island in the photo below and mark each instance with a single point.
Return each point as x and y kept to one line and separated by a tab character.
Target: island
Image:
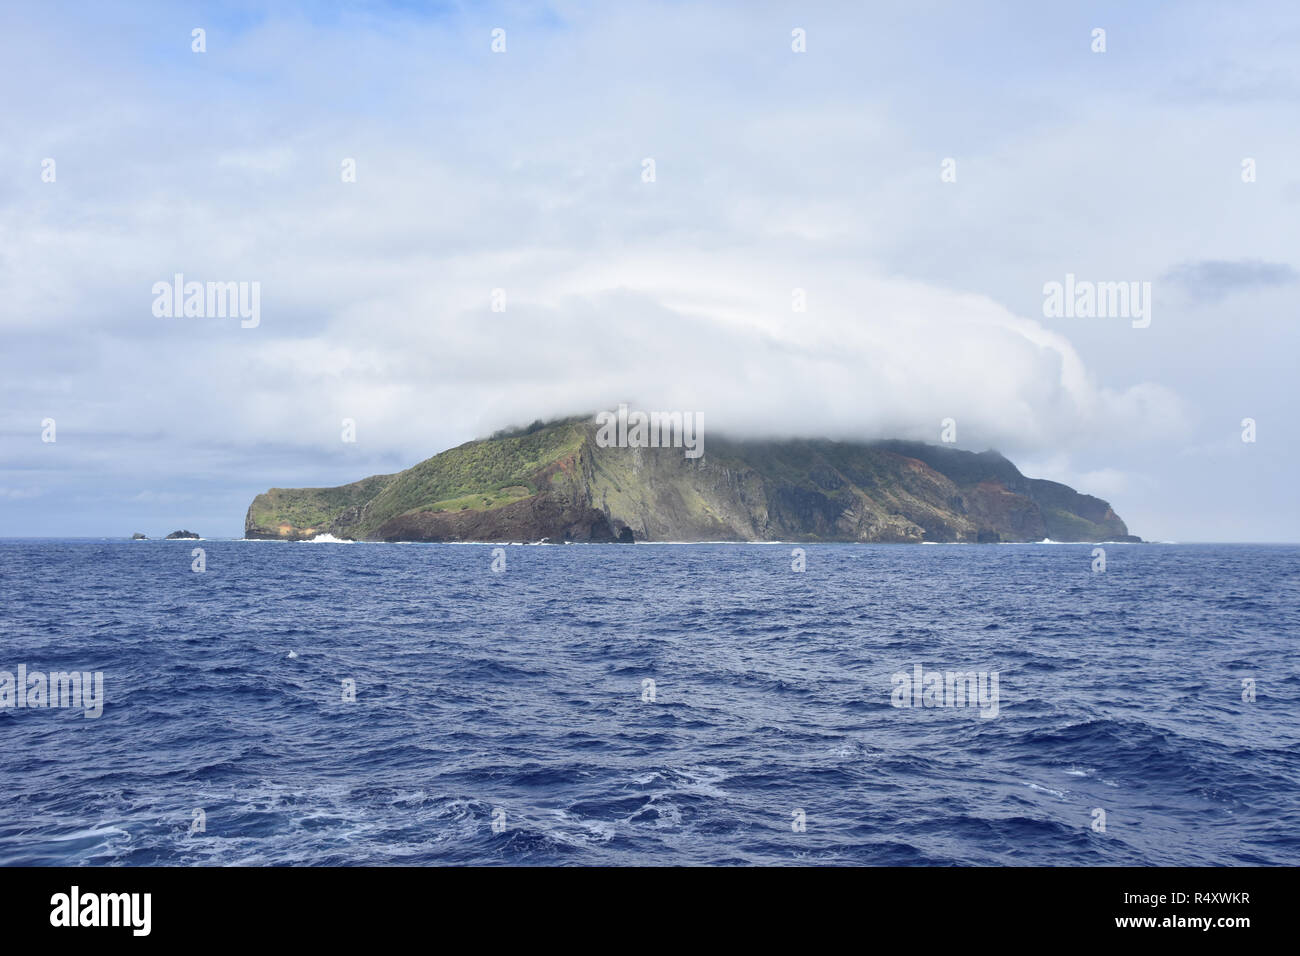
557	481
182	535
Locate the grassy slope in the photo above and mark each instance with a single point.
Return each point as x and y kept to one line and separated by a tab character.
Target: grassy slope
474	476
311	507
661	493
855	489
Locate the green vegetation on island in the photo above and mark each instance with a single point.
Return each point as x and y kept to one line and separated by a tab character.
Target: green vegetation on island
555	481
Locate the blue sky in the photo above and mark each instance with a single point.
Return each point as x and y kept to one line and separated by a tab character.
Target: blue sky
522	171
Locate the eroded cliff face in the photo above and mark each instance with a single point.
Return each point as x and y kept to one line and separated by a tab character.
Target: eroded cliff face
555	482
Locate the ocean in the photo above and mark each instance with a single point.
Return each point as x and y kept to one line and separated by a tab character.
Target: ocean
318	703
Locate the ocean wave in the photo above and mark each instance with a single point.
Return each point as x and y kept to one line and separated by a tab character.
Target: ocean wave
505	718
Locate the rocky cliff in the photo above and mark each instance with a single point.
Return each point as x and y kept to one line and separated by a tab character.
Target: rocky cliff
554	481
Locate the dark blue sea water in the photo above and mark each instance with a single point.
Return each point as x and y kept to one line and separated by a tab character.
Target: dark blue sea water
518	697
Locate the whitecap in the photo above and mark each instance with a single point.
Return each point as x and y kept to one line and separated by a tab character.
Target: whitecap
1055	793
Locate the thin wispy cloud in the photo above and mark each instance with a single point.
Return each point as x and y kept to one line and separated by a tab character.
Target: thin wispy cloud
1212	280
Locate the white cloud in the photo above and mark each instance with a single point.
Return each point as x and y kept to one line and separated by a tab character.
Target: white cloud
522	172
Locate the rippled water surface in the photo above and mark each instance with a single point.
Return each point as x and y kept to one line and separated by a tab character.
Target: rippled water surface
517	697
